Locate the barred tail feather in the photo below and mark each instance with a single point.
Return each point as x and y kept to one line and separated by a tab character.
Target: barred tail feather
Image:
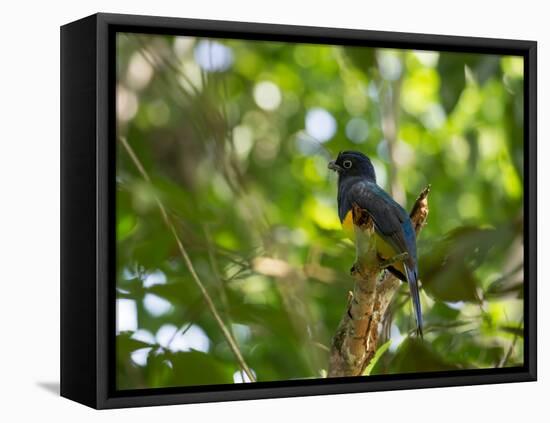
412	279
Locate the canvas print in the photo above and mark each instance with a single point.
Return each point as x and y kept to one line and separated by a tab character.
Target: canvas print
290	211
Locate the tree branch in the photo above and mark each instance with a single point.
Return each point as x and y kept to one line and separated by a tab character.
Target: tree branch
355	341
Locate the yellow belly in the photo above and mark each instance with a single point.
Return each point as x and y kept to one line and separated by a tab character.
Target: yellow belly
383	248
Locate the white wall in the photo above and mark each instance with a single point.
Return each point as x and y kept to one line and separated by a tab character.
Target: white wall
29	208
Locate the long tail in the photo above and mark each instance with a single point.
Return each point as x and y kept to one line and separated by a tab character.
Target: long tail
412	279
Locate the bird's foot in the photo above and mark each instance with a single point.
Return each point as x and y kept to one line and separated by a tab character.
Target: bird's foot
419	333
385	263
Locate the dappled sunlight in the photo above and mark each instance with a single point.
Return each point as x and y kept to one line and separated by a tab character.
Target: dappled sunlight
307	144
127	104
182	45
389	64
155	305
396	338
357	130
213	56
189	337
144	335
139	357
427	58
272	267
267	95
139	72
157	277
126	315
320	124
190	78
241	377
243	139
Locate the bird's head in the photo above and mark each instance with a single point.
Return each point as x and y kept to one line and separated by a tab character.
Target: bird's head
353	163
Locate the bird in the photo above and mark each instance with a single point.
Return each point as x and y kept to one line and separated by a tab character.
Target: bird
393	228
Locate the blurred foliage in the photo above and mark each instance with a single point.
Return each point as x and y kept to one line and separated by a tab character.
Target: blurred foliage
235	136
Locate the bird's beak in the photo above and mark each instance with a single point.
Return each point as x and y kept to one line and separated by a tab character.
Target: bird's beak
333	166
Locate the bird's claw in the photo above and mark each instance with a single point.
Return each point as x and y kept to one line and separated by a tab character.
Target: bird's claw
385	263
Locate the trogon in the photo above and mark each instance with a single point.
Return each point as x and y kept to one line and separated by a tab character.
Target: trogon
392	225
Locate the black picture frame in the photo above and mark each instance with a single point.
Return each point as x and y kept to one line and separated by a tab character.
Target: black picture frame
87	213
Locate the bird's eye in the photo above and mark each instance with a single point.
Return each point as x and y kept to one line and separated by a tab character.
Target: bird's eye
347	164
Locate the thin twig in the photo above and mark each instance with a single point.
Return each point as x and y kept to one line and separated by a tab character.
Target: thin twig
226	333
510	350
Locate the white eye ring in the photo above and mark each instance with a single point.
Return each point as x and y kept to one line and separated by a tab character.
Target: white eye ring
347	164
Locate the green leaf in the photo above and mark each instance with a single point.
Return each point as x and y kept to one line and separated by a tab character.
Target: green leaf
125	226
448	270
198	368
125	344
441	311
379	352
451	68
127	373
415	355
363	58
468	350
451	71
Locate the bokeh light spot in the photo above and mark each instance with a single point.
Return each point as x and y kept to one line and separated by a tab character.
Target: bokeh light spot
156	277
267	95
139	357
139	72
143	335
320	124
155	305
396	338
126	104
389	64
241	377
357	130
213	56
243	140
182	45
126	315
184	339
427	58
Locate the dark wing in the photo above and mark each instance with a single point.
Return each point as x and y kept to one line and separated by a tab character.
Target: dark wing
390	219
